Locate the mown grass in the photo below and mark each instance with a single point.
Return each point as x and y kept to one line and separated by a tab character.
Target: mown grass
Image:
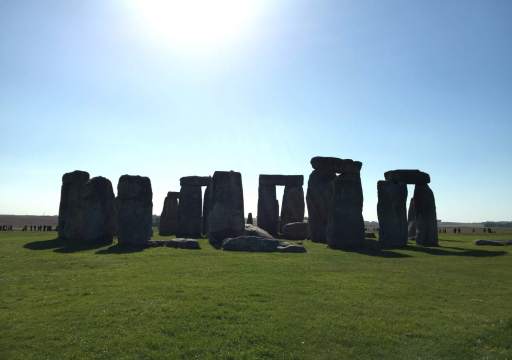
454	301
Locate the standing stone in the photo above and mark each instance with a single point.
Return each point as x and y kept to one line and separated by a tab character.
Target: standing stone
99	212
226	215
268	208
391	212
345	225
189	212
292	208
206	204
70	208
318	198
134	210
411	221
249	219
426	217
169	217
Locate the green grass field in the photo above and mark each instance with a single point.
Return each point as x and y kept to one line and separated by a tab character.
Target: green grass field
454	301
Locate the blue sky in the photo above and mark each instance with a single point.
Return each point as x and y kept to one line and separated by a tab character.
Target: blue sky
395	84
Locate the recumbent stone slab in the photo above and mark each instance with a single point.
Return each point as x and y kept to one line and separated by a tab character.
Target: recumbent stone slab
407	176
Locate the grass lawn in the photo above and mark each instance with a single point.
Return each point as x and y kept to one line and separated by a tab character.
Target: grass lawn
454	301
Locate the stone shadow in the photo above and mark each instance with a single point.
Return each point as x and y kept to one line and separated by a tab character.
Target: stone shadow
120	249
454	251
59	246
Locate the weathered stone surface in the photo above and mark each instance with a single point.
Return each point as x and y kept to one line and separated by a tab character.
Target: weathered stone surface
268	209
195	180
250	243
291	248
253	230
189	212
71	203
296	231
292	209
249	219
191	244
345	226
206	209
134	210
411	221
282	180
226	215
336	165
493	242
391	212
426	217
407	176
318	198
169	217
99	212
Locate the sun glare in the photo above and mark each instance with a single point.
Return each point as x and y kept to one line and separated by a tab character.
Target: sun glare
197	24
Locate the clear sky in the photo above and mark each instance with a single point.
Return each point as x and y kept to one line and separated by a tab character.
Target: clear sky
259	86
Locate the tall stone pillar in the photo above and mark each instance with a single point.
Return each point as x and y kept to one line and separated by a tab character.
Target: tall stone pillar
318	199
71	202
426	217
99	212
411	220
189	212
292	207
391	212
268	208
169	217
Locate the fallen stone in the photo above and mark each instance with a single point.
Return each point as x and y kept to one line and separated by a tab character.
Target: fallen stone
296	231
336	165
191	244
250	243
407	176
253	230
291	248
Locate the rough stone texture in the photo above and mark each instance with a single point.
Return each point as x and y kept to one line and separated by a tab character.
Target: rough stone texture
407	176
189	212
70	208
411	221
426	217
268	208
345	226
134	210
253	230
318	198
249	219
296	231
493	242
292	209
195	180
169	217
391	212
250	243
291	248
226	215
191	244
99	212
206	209
336	165
282	180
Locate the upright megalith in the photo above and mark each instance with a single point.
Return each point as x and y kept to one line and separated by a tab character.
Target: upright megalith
411	220
391	212
71	204
293	207
169	217
250	220
190	207
134	210
226	214
345	224
99	212
425	215
268	208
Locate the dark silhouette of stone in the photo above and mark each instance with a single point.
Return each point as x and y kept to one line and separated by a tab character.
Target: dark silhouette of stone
391	212
296	231
335	165
411	221
169	218
407	176
71	206
189	212
206	209
281	180
292	209
191	244
134	210
493	242
253	230
426	218
345	225
249	219
318	198
268	208
195	181
226	214
99	213
250	243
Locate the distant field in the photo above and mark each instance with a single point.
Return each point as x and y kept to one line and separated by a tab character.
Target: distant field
451	302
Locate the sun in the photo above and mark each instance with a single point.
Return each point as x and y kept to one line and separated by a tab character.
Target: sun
196	24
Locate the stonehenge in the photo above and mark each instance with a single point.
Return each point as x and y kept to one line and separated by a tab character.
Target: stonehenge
421	222
134	210
70	208
318	197
249	219
268	206
169	218
99	222
192	218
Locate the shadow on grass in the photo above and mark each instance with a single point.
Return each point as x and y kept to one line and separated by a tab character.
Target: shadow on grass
59	246
120	249
454	251
372	247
